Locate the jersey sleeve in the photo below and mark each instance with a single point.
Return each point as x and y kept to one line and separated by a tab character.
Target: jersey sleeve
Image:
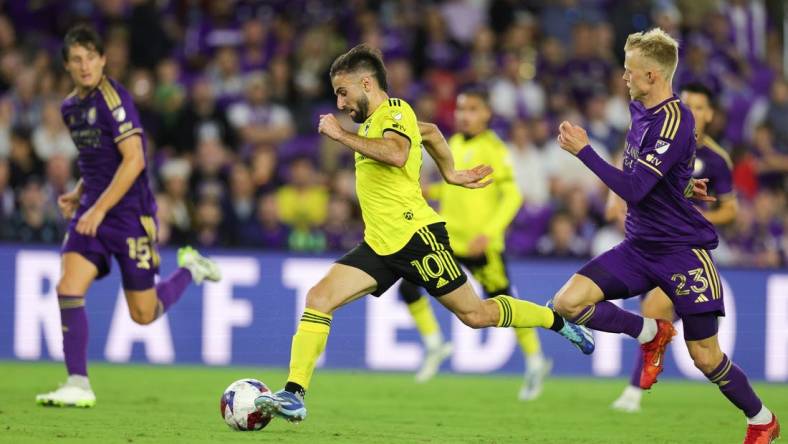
668	141
723	181
122	118
399	119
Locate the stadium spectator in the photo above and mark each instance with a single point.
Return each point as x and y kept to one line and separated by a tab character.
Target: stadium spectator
512	95
23	161
256	119
302	203
175	207
32	222
529	165
200	119
239	204
7	198
51	136
268	232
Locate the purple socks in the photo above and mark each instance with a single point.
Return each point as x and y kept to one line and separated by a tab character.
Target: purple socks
734	385
606	316
170	290
74	322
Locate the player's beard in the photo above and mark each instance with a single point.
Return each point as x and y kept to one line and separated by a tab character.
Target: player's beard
362	109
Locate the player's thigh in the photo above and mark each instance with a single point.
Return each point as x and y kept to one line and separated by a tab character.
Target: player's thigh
657	305
690	280
143	305
614	274
133	244
341	285
77	274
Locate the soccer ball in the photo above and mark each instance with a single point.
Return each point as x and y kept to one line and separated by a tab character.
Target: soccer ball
237	405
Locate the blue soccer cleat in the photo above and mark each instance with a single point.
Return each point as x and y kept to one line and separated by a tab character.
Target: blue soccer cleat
283	404
578	335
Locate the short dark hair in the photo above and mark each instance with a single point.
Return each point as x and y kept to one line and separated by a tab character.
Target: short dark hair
362	57
82	35
699	88
477	91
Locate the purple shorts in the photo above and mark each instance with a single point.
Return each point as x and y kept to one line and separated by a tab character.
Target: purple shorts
688	277
131	240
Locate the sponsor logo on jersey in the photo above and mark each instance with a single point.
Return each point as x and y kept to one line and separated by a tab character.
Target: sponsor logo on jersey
652	159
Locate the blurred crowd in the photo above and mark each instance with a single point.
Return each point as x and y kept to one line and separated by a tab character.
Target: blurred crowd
229	94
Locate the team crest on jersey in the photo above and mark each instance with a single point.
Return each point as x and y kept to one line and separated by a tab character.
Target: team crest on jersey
119	114
92	115
661	146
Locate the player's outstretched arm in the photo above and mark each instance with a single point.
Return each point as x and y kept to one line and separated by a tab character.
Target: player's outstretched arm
131	165
391	149
632	187
438	149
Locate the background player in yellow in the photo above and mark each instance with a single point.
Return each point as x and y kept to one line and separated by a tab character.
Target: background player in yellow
476	221
403	237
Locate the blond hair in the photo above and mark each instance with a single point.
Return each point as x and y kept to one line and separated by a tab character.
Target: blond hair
657	46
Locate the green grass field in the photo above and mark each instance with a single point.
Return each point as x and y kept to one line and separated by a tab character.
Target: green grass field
147	404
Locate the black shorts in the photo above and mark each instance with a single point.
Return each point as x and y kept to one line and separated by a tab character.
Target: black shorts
489	270
426	260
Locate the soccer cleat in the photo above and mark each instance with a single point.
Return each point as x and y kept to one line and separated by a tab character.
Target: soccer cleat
68	395
578	335
283	404
763	433
199	266
629	401
432	361
654	354
534	380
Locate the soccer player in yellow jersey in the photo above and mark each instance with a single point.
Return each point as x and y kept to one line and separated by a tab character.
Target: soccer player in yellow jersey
476	221
403	237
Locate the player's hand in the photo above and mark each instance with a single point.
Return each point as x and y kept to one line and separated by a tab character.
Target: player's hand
473	178
329	125
572	138
478	246
89	222
700	191
68	204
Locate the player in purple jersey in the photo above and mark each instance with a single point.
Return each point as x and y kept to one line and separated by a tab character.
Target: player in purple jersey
711	163
112	213
667	238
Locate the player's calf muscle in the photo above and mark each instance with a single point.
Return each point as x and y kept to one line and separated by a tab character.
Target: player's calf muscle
706	354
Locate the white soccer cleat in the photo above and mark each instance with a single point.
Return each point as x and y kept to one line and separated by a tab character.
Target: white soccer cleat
534	379
629	401
432	361
68	395
199	266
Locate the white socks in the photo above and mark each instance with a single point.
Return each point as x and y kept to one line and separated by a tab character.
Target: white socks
78	381
433	341
762	417
648	332
534	361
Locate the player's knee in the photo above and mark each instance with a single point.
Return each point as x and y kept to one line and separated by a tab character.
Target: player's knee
67	287
567	306
318	298
705	359
141	315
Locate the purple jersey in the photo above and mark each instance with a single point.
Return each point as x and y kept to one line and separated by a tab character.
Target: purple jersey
97	123
712	162
661	141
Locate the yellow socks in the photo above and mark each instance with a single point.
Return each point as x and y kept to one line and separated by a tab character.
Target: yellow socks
309	342
518	313
528	338
422	313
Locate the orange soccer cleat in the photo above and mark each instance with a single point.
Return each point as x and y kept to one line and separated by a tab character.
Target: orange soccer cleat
653	353
763	433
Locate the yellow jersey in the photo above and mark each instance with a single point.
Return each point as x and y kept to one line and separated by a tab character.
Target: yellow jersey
392	204
489	210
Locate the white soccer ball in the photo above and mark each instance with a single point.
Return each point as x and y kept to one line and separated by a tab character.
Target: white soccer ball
237	405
